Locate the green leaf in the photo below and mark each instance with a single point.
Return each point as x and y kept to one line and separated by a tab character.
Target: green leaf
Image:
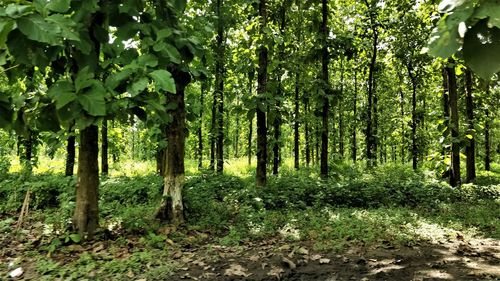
37	29
16	11
489	9
163	80
481	49
443	42
67	26
163	33
75	238
138	87
5	28
148	60
63	93
93	101
59	6
84	79
172	53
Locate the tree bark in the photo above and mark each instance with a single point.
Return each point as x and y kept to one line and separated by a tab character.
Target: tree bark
200	126
86	216
104	147
219	84
251	75
414	145
70	153
296	126
261	114
470	149
307	132
370	138
326	104
171	208
213	133
487	140
341	110
454	126
354	144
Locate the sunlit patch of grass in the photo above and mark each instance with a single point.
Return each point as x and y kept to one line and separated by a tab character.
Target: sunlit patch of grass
132	168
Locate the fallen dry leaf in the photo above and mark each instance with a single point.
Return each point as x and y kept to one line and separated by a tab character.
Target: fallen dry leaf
289	263
236	270
254	258
316	257
302	251
276	271
324	261
16	272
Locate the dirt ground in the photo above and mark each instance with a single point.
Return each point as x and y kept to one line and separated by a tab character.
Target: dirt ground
478	259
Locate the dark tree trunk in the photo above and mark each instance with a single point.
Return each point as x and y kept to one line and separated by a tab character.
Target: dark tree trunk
470	149
446	106
213	133
200	126
278	120
414	145
70	153
86	216
261	91
403	131
307	132
171	207
251	75
104	147
296	136
370	138
487	140
454	126
237	138
341	110
354	144
326	104
219	84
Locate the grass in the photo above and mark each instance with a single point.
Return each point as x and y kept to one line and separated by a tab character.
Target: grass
389	206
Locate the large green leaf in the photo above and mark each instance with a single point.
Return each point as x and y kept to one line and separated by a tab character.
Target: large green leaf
444	42
37	29
482	49
59	6
6	26
16	11
84	79
138	86
164	80
63	93
66	24
92	100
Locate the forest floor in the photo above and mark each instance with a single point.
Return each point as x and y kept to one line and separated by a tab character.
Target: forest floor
389	224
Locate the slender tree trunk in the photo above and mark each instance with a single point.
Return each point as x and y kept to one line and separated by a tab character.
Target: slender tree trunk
237	138
446	107
341	110
86	216
70	153
470	149
251	75
307	132
403	131
171	207
200	126
296	136
414	145
487	140
219	84
326	104
354	144
213	133
104	147
370	138
454	126
261	91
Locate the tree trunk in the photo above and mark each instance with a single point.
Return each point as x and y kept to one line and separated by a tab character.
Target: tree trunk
403	131
414	149
219	84
341	110
70	153
326	104
200	126
86	216
354	145
487	140
213	133
171	208
446	107
104	147
454	126
307	132
370	138
261	91
470	149
296	136
251	75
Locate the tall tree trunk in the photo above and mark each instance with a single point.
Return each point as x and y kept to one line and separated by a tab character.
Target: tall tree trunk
454	126
261	91
219	84
470	149
354	144
307	132
296	136
213	133
171	208
487	140
446	106
403	131
251	75
370	138
414	150
200	126
237	138
86	216
70	153
104	147
341	110
326	104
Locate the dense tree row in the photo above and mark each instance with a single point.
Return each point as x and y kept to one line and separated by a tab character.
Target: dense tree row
317	81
